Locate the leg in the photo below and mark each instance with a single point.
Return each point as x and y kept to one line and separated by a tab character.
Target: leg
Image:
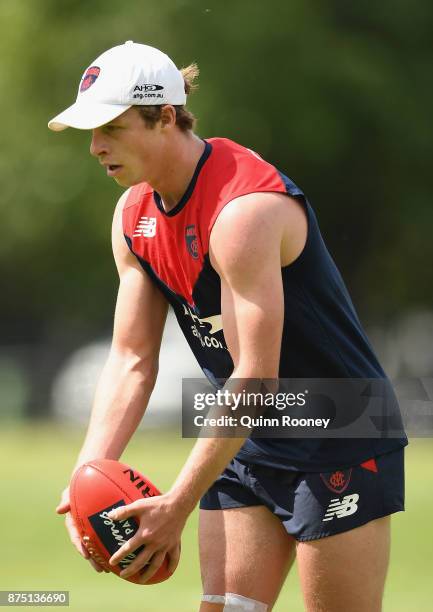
346	571
245	551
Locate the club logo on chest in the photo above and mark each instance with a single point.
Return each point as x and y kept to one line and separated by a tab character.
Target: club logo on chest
191	241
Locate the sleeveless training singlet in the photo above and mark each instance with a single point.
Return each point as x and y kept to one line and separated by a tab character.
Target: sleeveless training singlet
322	335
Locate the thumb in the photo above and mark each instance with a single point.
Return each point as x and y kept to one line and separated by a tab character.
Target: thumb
124	512
63	507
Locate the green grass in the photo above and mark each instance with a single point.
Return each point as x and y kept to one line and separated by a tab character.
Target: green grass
35	463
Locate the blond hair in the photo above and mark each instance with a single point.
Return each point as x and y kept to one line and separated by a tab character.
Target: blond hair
185	120
190	74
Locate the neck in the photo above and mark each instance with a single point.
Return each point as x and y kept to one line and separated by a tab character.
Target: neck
180	162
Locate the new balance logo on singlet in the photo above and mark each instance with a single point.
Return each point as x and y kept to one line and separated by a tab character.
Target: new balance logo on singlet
340	509
145	227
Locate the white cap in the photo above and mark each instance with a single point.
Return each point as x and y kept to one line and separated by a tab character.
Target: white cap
121	77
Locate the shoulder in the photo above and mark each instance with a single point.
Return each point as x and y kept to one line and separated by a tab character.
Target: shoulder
121	252
123	199
247	230
234	172
256	226
255	213
135	195
226	151
134	203
121	202
257	210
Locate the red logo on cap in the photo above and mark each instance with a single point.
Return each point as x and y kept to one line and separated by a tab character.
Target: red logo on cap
90	77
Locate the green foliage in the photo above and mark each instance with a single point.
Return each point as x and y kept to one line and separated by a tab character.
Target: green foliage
336	94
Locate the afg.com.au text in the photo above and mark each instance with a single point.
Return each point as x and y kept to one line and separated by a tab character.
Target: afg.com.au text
231	400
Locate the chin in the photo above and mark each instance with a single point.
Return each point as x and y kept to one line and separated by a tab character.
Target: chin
124	182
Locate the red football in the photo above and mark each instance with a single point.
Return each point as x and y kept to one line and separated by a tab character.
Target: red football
96	488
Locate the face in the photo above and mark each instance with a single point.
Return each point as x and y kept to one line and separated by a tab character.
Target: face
129	150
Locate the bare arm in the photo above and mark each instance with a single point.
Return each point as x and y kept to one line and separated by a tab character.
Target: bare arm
129	374
247	249
130	371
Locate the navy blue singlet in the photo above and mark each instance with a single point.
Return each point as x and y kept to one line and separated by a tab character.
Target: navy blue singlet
322	335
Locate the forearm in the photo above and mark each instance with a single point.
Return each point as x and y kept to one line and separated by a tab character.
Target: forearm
121	398
206	462
211	455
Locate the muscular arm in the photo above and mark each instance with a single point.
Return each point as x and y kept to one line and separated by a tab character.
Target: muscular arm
245	248
251	239
130	371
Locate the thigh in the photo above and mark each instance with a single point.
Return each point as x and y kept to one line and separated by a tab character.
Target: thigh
245	551
346	571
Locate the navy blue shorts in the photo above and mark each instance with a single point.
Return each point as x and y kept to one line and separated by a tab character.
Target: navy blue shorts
314	505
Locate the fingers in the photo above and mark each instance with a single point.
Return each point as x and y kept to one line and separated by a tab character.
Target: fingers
140	560
173	558
148	558
64	505
145	557
129	547
97	567
124	512
75	536
77	542
152	567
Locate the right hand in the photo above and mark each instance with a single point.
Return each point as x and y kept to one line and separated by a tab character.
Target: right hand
64	507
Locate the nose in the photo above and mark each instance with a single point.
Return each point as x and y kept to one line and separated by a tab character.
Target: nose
98	145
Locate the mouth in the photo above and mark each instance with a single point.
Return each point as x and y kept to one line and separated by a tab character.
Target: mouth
113	169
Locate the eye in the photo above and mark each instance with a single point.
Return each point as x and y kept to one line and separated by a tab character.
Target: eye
108	129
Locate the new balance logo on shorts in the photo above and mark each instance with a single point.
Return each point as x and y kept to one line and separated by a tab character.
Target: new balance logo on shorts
340	509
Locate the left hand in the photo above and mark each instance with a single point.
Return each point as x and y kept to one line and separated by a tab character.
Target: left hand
161	522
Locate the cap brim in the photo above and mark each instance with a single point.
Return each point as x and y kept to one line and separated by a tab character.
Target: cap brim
86	116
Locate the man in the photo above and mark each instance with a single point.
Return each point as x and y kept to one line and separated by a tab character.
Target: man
234	246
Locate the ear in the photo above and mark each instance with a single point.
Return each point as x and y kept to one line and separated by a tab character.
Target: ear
168	116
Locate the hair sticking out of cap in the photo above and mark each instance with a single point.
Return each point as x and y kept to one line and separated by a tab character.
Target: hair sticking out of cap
190	74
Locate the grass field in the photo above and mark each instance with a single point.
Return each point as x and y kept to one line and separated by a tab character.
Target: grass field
35	463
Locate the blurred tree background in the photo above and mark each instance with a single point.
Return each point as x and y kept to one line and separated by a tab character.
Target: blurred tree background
337	94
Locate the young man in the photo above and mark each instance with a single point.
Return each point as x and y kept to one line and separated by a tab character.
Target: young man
234	246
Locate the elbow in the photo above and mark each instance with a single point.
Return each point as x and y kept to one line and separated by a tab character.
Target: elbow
148	372
136	365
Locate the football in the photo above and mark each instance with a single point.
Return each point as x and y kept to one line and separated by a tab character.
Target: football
96	488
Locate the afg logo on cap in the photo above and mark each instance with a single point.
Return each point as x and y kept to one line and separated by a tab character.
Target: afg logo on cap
148	87
90	77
